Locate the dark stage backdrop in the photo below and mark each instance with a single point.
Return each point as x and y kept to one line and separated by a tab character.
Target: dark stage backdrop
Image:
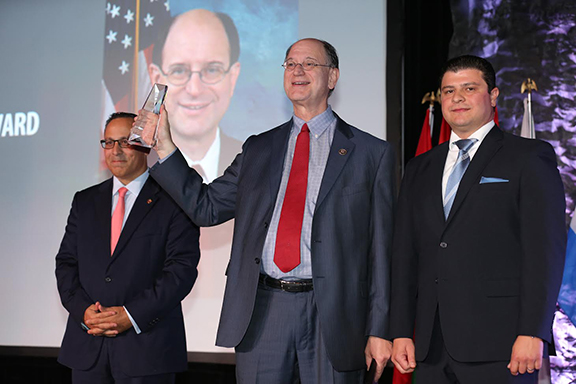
522	39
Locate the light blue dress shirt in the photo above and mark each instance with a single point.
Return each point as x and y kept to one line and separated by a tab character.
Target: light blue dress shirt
322	129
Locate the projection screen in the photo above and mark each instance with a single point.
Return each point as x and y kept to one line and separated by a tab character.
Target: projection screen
56	93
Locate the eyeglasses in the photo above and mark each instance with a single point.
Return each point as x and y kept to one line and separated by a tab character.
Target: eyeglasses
307	65
109	143
180	74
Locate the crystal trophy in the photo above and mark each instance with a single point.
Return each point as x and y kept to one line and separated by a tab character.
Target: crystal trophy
146	136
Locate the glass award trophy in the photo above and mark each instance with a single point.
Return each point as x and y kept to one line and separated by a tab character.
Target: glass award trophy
146	136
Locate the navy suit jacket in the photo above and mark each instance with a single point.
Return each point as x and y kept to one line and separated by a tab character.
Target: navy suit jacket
493	268
152	269
351	232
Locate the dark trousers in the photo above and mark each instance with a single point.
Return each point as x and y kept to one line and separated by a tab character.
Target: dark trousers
283	343
105	371
440	368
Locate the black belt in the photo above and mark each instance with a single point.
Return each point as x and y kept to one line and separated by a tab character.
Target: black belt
287	286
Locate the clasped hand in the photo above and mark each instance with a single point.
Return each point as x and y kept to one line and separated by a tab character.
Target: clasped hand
106	321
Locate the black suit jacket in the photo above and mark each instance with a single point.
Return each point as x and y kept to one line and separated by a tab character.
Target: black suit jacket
351	232
152	269
494	267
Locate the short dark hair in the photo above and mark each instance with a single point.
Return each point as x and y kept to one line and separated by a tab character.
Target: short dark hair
471	62
119	115
229	27
329	50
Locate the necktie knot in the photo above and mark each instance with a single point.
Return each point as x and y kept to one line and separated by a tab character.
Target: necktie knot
305	128
465	144
122	192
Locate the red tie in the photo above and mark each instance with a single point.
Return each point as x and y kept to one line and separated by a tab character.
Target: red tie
287	252
117	219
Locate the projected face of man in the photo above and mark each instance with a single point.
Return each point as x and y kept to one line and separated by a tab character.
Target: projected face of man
124	163
196	40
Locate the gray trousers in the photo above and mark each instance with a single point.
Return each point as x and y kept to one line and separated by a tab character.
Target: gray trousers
283	343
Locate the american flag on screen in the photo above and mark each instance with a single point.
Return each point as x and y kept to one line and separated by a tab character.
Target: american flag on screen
132	27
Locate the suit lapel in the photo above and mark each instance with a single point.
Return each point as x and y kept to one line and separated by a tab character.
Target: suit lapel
437	163
490	145
146	199
103	213
277	156
340	152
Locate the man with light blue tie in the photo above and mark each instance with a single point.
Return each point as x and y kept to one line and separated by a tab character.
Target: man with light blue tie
307	294
479	245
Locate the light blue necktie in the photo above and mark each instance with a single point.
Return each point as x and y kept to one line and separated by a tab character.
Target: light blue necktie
460	167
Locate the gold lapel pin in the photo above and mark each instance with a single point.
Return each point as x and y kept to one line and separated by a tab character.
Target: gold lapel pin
149	201
342	151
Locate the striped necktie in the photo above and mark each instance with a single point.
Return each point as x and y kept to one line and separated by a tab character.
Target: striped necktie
460	167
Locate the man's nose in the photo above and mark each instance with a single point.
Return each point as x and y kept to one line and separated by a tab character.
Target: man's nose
299	69
117	149
194	84
458	96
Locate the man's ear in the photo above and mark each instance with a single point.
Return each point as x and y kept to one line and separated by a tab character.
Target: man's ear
494	96
155	73
234	73
333	79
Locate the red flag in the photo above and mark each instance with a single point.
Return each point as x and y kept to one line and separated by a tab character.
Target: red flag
496	115
444	132
425	142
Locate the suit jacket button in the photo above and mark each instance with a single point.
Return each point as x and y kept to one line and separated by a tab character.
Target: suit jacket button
435	281
443	245
257	260
108	279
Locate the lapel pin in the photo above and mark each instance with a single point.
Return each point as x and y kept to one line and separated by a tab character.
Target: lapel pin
149	201
342	151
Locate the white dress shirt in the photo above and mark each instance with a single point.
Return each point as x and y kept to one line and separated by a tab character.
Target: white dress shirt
453	150
209	162
134	188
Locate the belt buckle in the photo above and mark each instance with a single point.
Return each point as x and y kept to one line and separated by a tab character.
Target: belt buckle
290	286
284	285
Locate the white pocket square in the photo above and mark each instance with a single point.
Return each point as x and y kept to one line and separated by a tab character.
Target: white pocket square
488	180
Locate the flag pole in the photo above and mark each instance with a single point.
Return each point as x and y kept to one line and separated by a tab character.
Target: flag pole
135	70
529	85
431	98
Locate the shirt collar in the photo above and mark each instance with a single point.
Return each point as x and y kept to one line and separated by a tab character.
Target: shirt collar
479	134
135	186
318	124
209	162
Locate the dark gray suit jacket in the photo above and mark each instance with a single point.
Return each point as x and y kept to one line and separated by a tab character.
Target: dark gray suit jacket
351	232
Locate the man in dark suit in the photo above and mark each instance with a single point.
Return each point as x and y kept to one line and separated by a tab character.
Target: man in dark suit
308	278
478	246
127	259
